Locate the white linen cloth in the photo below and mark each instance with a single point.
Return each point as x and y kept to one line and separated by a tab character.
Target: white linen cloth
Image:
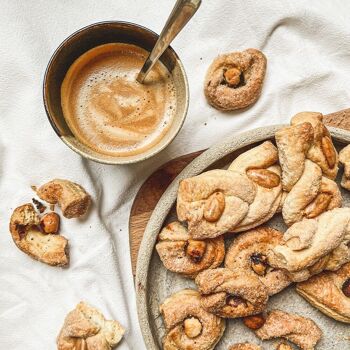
308	49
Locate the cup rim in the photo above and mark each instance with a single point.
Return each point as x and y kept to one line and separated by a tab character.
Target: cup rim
115	160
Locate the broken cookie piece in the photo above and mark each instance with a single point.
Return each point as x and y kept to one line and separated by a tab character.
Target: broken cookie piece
50	249
85	328
299	330
71	197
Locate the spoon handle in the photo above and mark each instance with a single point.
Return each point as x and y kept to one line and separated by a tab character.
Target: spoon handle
180	15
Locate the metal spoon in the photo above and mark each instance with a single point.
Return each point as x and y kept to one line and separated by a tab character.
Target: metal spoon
180	15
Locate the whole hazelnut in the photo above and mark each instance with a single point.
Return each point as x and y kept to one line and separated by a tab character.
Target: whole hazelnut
259	264
192	327
233	76
50	223
254	322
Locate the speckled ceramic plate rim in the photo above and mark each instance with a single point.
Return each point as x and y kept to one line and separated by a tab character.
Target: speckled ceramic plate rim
166	202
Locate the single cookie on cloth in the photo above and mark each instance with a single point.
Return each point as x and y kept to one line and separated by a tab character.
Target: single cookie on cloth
329	292
313	245
259	164
249	253
344	158
188	325
235	80
231	294
85	328
180	253
299	330
214	202
49	248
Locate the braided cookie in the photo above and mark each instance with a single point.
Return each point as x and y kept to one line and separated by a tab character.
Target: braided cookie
329	292
85	328
299	330
312	195
309	164
214	202
313	245
344	158
259	164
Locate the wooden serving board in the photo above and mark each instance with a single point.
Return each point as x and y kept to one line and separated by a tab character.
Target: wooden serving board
152	189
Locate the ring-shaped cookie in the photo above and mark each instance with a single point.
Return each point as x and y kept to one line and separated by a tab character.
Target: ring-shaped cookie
249	253
188	325
180	253
235	80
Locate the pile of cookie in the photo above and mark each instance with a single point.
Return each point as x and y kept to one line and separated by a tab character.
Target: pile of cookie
294	177
36	232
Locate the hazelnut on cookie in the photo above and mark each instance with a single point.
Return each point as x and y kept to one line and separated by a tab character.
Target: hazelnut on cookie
188	325
180	253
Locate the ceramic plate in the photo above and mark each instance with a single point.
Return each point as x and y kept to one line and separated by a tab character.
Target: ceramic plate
154	283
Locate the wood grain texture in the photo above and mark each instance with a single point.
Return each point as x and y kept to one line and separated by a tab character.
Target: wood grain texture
147	198
152	189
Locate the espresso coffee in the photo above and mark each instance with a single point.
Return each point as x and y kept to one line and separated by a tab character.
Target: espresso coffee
108	110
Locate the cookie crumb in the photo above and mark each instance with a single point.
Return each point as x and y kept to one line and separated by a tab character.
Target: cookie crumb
39	206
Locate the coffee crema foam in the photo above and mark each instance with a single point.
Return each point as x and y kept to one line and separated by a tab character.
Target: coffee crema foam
108	110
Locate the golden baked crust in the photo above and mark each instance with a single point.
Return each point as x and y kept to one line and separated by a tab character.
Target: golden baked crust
235	80
51	249
309	164
249	253
180	253
312	195
85	328
231	294
259	164
306	138
245	346
71	197
313	245
244	196
283	346
325	292
299	330
214	202
322	151
293	143
188	325
344	158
